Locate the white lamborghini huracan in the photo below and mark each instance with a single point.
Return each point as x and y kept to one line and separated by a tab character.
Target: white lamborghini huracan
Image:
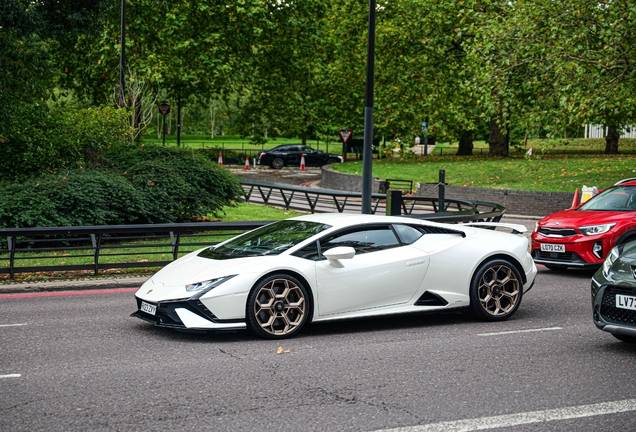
320	267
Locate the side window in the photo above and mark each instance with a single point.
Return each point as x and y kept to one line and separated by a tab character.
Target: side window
363	240
408	234
309	252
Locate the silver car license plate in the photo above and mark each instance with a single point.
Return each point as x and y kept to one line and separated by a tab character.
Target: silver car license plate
148	308
625	302
550	247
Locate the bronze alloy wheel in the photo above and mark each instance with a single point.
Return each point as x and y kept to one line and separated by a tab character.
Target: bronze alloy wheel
496	290
277	307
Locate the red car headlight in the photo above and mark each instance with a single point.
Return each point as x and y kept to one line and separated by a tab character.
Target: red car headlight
596	229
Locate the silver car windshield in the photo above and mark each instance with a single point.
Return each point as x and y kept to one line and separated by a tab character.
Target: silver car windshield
271	239
620	198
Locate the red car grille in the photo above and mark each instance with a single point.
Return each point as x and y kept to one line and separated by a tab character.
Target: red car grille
558	232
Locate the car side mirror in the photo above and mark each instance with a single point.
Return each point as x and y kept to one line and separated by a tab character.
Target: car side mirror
339	253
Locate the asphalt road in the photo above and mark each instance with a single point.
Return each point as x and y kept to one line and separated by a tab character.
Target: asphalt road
79	362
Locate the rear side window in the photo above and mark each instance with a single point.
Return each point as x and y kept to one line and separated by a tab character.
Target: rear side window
408	234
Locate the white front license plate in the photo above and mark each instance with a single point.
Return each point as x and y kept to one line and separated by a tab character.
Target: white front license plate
625	302
148	308
549	247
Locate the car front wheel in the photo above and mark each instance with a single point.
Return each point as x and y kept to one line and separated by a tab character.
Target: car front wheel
278	163
277	307
496	290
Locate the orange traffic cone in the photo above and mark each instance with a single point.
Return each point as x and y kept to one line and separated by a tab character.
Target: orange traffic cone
302	162
220	159
247	162
575	200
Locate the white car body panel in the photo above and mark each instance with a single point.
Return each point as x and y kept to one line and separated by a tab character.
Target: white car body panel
370	280
383	282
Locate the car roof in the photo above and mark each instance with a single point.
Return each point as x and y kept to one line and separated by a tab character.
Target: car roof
284	146
626	182
342	220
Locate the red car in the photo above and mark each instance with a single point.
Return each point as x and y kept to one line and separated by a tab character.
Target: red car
582	237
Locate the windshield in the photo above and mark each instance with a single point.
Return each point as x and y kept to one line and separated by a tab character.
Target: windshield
620	198
271	239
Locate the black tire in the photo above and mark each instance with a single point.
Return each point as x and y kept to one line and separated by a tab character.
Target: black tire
278	306
277	163
496	290
331	161
625	338
555	267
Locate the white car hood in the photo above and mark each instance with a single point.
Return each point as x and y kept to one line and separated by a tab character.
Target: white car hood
192	269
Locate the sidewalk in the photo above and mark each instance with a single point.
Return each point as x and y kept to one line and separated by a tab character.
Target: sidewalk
99	282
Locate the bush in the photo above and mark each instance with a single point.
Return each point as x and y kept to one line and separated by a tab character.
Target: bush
185	181
79	198
43	141
140	185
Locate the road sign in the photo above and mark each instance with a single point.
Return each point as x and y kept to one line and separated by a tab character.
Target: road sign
423	126
164	109
345	134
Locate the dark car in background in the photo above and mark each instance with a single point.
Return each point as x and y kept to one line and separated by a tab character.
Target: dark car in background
291	154
614	293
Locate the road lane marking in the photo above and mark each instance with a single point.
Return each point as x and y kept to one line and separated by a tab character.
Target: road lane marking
11	376
506	421
68	293
12	325
520	331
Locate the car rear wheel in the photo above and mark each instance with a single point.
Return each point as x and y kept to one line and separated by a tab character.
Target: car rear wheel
496	290
277	307
332	161
278	163
624	338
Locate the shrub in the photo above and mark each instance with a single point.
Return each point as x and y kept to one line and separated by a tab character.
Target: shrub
44	141
78	198
189	184
140	185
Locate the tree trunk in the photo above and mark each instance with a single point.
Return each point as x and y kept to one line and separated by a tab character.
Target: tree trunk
465	144
304	137
497	140
611	140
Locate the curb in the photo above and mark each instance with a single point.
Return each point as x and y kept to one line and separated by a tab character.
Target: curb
72	285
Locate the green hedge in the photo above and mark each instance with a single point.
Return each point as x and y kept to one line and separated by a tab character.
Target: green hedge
135	184
44	141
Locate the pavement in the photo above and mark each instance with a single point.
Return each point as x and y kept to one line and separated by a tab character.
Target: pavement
102	282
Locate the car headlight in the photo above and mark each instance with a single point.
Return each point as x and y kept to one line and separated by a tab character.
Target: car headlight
207	285
596	229
609	260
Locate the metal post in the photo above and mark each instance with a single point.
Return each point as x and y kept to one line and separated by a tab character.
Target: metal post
164	130
393	202
426	138
122	57
367	154
179	119
441	184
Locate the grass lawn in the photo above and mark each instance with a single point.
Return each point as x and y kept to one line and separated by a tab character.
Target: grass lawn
253	212
236	142
545	173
